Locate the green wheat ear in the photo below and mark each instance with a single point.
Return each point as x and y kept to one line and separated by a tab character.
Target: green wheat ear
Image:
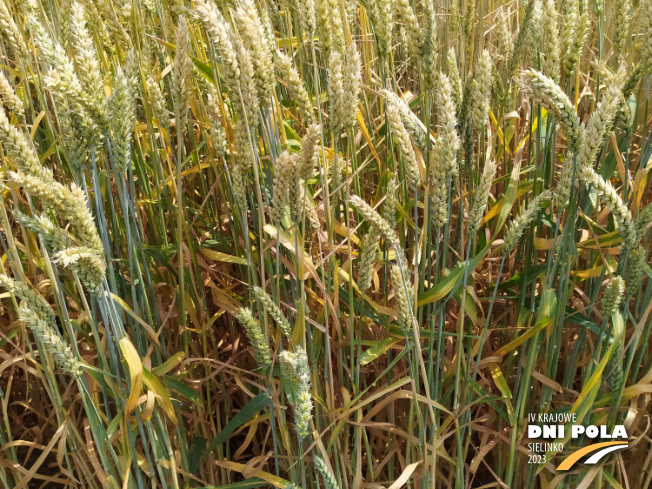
273	311
330	482
39	318
613	296
256	336
295	367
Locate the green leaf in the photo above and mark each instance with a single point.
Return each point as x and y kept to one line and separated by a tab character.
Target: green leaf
377	350
243	416
452	281
197	447
547	310
181	388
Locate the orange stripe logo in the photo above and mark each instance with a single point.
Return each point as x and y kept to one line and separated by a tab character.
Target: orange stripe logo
607	447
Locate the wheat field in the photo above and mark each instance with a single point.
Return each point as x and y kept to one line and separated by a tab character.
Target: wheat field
347	244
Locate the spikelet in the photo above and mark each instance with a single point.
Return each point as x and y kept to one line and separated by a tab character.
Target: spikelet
15	146
352	8
619	209
635	271
374	218
481	195
306	16
10	31
615	367
256	336
642	222
83	116
546	92
438	186
297	368
76	142
429	48
469	19
33	300
308	152
382	17
601	121
86	61
404	143
158	102
242	142
551	51
63	81
518	226
593	139
336	97
620	21
335	170
284	172
10	100
573	51
481	97
566	182
181	76
523	34
252	33
505	39
51	340
273	311
535	33
217	130
367	256
296	196
404	317
448	137
352	83
53	237
86	262
294	84
646	31
409	118
250	100
411	25
454	75
39	318
286	365
570	17
613	295
220	33
69	203
97	26
389	206
329	25
239	183
123	119
109	14
309	210
330	482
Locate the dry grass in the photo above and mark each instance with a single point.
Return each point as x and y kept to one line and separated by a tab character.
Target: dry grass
435	197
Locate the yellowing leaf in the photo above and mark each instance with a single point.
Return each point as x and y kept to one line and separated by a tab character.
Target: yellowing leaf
170	364
161	393
131	356
249	472
223	257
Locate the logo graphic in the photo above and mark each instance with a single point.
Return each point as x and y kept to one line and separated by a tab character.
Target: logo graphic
601	450
548	432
